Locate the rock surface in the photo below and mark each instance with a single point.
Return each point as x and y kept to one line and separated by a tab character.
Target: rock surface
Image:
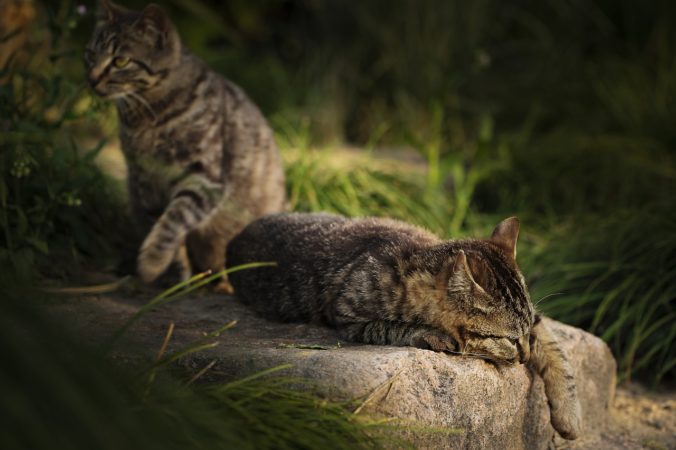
495	407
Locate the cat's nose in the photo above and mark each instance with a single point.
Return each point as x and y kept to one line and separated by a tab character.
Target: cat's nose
523	346
93	80
95	85
94	77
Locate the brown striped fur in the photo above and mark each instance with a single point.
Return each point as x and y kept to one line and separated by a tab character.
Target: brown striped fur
381	281
15	20
202	160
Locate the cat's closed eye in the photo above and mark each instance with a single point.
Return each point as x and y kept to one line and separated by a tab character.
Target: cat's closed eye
501	350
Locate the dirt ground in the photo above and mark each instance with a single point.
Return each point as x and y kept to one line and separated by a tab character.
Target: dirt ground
640	419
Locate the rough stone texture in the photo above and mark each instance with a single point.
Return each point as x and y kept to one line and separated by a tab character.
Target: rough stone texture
496	407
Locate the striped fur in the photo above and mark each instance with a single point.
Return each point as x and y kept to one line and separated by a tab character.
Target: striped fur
15	22
380	281
202	161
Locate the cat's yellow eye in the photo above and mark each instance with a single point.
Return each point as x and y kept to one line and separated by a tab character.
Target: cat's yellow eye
121	61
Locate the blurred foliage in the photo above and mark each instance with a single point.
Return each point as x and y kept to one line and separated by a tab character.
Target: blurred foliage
56	204
58	393
614	276
437	194
562	175
560	111
592	66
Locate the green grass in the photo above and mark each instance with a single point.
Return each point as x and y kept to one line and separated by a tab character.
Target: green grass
359	190
436	193
58	393
55	202
616	277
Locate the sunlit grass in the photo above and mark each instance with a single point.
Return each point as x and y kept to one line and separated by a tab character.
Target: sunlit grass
617	278
362	188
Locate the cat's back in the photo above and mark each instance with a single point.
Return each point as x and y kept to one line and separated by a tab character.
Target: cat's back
284	236
312	253
313	236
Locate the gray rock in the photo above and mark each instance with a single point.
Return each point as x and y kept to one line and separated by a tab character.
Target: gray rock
494	407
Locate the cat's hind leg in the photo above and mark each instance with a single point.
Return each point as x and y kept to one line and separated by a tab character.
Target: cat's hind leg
183	263
548	360
206	247
208	242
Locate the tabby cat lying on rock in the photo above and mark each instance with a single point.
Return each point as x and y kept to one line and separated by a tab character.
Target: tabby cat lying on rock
380	281
202	161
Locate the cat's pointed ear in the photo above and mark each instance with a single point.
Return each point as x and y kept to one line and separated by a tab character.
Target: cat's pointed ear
154	18
155	22
461	275
108	11
506	234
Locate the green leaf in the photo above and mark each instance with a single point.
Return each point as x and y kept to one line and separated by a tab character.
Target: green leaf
91	155
38	244
3	193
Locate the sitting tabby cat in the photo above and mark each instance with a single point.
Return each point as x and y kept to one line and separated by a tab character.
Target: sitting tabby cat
380	281
201	159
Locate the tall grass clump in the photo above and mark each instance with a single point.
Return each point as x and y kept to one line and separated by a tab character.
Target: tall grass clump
354	184
55	202
435	191
562	174
360	189
616	277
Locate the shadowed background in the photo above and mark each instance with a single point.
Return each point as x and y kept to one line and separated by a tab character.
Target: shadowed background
448	114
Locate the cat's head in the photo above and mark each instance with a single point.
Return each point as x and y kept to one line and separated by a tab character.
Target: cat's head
130	51
491	313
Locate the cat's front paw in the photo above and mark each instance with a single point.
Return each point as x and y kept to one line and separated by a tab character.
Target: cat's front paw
435	340
567	418
153	260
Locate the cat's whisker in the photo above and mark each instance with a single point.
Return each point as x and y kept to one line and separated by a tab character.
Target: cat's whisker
132	103
120	98
475	355
547	296
143	102
124	103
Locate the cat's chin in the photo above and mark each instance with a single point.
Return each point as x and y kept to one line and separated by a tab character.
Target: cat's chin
503	358
107	95
99	93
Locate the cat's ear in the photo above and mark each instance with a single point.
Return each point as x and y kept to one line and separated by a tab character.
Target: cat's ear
460	274
108	11
506	234
153	18
155	23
